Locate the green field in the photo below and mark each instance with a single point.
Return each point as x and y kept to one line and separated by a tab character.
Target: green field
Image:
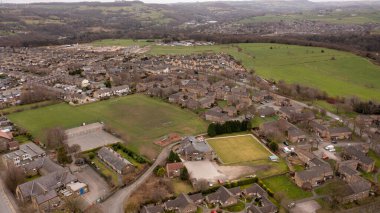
237	149
347	75
283	184
137	118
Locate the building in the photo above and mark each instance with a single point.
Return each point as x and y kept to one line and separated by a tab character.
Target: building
340	133
364	162
77	188
216	116
192	148
26	154
183	203
264	206
43	191
152	209
115	161
321	130
5	139
357	190
41	166
255	191
222	197
174	169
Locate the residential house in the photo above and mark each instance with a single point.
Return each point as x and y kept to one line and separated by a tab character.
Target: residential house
266	112
182	203
5	139
206	102
197	198
296	135
152	209
230	110
222	197
357	190
174	169
41	166
264	206
340	133
115	160
365	163
215	116
321	130
347	170
313	176
192	148
26	154
293	133
255	191
236	191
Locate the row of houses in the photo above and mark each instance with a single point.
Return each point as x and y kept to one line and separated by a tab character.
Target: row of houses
114	160
222	197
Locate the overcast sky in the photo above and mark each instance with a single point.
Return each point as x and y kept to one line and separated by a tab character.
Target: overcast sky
146	1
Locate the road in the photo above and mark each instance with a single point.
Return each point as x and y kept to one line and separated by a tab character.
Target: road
5	204
115	203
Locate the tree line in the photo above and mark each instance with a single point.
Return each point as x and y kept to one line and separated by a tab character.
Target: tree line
228	127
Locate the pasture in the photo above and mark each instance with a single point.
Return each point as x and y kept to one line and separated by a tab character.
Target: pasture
238	149
336	72
138	119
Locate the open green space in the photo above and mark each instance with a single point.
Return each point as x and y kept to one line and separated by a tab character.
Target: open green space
181	186
336	72
283	184
138	119
240	206
237	149
257	120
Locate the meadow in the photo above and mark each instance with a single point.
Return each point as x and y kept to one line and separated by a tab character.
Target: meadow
138	119
237	149
336	72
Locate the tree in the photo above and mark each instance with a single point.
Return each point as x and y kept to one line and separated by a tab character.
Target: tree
160	171
173	157
211	131
72	205
184	174
74	148
55	137
107	83
62	156
14	176
273	146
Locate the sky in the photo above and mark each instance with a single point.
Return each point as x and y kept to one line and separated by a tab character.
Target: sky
146	1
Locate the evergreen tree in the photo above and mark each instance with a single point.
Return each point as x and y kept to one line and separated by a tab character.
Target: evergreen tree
184	174
173	157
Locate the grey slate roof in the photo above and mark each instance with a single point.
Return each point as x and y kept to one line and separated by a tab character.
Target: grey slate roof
112	158
222	195
180	202
46	183
191	144
152	209
27	148
44	164
255	188
353	151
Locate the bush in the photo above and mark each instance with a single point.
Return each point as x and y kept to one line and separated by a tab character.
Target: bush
91	155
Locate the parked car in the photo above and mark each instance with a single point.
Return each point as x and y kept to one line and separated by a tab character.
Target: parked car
286	143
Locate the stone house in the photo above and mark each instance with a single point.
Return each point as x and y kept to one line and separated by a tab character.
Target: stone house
255	191
340	133
365	163
230	110
215	116
5	139
192	148
222	197
152	209
264	206
115	161
321	130
182	203
27	153
357	190
174	169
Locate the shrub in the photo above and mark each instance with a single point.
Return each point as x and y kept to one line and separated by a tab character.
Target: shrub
91	155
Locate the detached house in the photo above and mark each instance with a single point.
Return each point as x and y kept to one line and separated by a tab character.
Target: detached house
223	197
364	162
183	203
6	141
192	148
26	154
340	133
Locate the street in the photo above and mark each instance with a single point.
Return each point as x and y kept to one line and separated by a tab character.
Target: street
114	204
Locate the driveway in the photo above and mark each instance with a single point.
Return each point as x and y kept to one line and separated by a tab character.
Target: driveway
98	187
306	207
115	204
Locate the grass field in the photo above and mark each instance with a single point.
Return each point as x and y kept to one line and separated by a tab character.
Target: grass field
283	184
347	75
137	118
237	149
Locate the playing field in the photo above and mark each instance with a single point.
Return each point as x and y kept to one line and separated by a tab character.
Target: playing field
138	118
237	149
346	75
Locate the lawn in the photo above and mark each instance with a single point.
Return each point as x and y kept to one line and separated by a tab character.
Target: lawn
331	187
181	187
237	149
257	120
282	183
106	171
138	119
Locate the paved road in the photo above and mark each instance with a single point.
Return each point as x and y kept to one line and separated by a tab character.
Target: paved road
5	204
115	203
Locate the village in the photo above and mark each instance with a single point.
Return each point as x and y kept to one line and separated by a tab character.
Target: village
315	148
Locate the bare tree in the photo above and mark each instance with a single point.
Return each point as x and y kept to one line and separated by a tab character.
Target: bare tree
14	176
55	137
